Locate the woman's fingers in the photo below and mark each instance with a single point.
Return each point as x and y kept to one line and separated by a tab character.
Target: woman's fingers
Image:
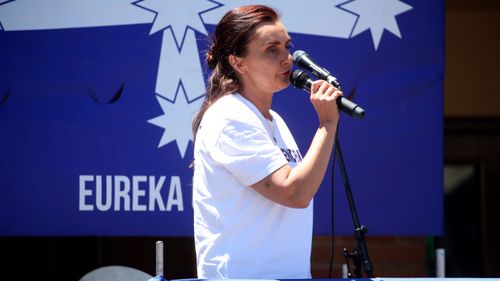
323	89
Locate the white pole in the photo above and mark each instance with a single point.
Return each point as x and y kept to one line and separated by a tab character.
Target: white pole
345	271
440	263
159	258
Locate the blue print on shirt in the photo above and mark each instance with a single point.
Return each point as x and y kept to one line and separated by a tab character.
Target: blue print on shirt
292	155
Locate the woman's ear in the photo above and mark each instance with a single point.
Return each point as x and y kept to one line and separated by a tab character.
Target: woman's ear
237	64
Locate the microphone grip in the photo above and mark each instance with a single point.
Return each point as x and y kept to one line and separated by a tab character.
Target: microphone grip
350	108
343	104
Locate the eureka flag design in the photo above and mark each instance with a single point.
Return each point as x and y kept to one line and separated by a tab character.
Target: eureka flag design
146	55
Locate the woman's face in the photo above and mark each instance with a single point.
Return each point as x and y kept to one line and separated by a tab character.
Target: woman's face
267	64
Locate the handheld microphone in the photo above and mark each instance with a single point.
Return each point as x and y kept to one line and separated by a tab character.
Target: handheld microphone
303	60
301	80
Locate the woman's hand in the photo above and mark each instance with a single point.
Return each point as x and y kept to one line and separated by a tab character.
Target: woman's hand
323	97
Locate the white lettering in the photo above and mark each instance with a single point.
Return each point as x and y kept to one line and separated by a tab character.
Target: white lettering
84	193
137	193
98	193
154	193
122	193
175	188
129	193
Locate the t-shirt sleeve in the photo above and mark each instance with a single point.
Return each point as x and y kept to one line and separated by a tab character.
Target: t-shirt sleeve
247	152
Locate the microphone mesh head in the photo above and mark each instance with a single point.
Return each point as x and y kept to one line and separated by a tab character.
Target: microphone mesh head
297	54
298	78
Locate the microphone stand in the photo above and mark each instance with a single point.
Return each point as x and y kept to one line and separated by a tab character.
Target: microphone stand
359	255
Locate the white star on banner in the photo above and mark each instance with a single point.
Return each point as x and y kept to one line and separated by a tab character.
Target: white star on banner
176	120
178	15
376	15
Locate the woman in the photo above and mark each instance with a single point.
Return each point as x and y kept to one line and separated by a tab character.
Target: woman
252	190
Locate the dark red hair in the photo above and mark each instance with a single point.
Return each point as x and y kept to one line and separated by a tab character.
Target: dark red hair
232	35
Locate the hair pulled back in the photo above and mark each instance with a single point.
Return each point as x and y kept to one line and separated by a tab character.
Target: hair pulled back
231	37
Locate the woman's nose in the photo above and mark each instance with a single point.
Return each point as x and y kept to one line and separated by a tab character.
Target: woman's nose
288	59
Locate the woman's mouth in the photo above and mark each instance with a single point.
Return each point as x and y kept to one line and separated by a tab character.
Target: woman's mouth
286	73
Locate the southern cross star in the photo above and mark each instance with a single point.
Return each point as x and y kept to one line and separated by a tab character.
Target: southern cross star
178	15
376	15
176	120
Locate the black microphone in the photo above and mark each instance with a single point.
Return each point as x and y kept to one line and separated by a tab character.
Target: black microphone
301	80
303	60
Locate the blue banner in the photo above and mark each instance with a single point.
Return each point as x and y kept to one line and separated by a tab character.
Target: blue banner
97	97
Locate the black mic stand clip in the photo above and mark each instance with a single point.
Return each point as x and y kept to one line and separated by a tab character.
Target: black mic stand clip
356	257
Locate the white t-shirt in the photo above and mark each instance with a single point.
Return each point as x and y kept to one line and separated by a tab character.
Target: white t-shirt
238	232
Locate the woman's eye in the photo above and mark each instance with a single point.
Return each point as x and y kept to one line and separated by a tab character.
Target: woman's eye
272	50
